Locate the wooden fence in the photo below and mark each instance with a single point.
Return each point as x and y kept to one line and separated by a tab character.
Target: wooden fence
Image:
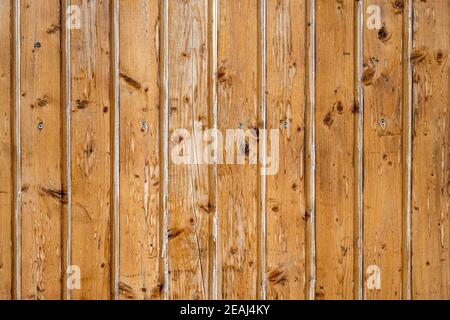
92	205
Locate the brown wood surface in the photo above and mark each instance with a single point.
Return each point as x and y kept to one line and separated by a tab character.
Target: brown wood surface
91	149
238	265
383	160
40	127
285	196
431	151
6	149
190	212
335	132
88	115
140	228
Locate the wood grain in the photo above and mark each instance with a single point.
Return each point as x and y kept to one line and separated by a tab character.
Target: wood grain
431	151
335	132
90	123
285	195
140	246
190	212
383	161
238	185
6	181
42	194
91	149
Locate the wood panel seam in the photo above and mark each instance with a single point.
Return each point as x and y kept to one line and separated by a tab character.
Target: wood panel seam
115	225
359	188
66	38
17	154
407	161
263	123
165	137
214	37
312	148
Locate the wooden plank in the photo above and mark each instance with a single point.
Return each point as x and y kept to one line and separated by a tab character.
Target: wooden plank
6	187
431	151
190	212
91	149
335	135
238	212
383	161
140	245
285	195
40	112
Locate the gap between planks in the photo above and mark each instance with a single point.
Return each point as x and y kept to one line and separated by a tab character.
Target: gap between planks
165	141
66	102
263	122
359	143
16	279
214	52
115	119
407	148
311	151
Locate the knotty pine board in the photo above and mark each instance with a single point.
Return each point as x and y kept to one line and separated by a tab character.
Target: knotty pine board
86	134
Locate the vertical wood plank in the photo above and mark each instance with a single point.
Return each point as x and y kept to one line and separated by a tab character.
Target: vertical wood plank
238	185
42	195
285	196
383	94
431	151
335	135
190	212
140	246
65	143
91	149
6	187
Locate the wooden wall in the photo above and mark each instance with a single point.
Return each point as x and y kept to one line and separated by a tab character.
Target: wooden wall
89	114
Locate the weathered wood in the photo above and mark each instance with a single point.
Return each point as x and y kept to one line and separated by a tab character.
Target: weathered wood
89	134
6	182
285	195
238	187
383	160
335	132
91	149
41	190
431	151
190	212
140	245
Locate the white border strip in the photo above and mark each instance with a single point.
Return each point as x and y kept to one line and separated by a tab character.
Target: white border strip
409	154
264	143
312	145
360	145
166	146
214	31
68	54
17	213
116	149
